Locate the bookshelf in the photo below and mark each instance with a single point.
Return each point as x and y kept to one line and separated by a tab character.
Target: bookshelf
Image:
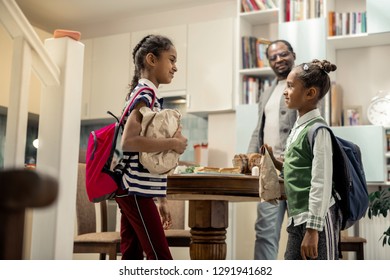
297	10
375	31
286	19
343	50
360	68
309	36
255	28
260	17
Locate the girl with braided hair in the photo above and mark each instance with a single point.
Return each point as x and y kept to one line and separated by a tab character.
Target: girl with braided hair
314	219
142	227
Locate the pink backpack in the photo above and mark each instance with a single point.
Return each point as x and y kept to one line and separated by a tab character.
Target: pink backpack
101	182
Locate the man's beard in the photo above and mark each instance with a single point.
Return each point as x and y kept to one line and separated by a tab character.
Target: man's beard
284	74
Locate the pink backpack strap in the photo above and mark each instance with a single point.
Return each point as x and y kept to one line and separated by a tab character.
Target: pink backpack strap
134	98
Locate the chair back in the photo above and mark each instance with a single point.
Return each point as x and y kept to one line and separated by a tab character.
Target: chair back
176	208
85	210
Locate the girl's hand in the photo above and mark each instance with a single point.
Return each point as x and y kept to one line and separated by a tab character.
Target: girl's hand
277	163
309	246
165	214
270	151
181	143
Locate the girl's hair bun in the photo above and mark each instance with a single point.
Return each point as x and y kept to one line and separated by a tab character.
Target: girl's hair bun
325	65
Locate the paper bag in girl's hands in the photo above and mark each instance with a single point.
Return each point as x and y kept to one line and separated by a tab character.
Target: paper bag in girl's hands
162	124
269	187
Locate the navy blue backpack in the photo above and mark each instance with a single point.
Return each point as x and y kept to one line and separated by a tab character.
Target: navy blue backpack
350	186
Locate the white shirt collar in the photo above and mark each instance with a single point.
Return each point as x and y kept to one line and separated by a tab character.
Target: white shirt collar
315	113
149	84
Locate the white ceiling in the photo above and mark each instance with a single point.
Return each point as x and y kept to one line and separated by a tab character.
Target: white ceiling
72	14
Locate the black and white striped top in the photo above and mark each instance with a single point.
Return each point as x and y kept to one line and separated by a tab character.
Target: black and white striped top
137	179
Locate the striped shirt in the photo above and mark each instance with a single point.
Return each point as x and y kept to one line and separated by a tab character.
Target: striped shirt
137	179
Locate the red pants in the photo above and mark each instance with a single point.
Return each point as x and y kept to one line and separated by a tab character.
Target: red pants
141	229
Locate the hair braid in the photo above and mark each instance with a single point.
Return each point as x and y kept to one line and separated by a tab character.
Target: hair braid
154	44
138	46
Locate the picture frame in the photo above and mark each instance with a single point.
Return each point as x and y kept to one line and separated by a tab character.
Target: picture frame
353	115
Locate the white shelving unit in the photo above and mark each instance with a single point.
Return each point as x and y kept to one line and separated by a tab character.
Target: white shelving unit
260	24
342	50
260	17
257	72
374	36
357	41
309	38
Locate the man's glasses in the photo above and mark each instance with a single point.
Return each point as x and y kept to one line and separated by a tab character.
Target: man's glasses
281	55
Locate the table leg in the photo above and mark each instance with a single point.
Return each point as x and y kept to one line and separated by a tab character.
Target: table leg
208	220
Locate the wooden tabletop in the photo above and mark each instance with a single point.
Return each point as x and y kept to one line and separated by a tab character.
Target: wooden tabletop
213	187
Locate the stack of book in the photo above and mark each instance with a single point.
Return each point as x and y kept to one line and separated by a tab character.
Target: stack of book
296	10
253	52
252	88
257	5
347	23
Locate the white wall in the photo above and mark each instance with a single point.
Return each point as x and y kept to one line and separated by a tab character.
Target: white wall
201	13
362	72
5	71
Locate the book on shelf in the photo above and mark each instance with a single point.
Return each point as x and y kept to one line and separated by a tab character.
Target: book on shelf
257	5
346	23
261	4
252	5
296	10
261	48
253	52
244	6
249	6
331	23
270	4
252	88
312	9
287	11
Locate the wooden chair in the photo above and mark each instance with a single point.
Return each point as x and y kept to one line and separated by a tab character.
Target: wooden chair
177	235
88	240
21	189
353	244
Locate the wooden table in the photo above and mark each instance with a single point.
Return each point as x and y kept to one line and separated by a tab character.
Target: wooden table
208	197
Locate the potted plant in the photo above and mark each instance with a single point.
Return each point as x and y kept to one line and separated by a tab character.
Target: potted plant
379	204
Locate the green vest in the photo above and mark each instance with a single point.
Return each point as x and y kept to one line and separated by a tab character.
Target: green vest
297	173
